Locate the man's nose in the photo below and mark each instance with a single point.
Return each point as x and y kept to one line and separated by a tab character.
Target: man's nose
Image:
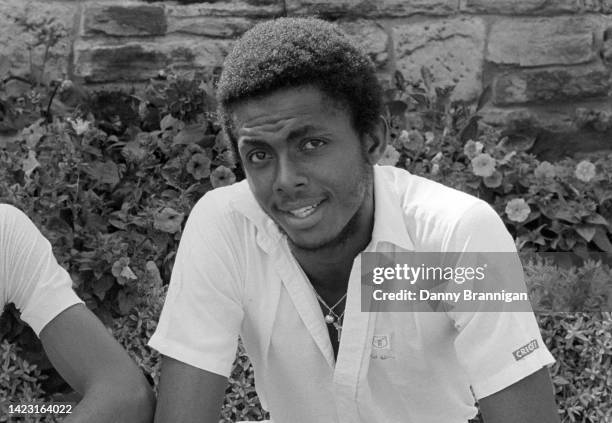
289	176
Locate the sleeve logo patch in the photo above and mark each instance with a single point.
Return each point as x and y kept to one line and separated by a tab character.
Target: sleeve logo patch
525	350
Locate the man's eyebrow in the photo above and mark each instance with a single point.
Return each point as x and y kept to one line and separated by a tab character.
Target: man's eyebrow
300	132
293	135
251	142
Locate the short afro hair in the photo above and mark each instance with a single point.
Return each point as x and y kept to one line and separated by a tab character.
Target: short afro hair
293	52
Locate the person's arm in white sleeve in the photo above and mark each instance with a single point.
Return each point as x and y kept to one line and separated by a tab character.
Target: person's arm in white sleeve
509	388
198	330
76	342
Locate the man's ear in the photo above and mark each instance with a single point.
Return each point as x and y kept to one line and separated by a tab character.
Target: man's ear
376	141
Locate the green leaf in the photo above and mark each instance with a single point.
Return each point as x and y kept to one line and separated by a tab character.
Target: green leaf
101	286
30	163
104	172
586	231
597	219
602	241
190	134
427	77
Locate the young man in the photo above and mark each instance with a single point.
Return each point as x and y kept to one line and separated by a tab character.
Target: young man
275	259
76	342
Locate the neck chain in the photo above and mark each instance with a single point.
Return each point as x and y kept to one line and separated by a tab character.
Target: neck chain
332	318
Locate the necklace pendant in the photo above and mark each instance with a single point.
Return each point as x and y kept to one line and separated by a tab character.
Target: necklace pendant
329	319
338	329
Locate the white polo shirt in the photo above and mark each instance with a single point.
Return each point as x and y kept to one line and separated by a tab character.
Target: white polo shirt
235	275
30	276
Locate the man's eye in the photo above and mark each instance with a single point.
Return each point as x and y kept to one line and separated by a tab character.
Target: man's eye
312	144
258	157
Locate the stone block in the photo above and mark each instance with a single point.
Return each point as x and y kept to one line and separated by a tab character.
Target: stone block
592	6
141	61
124	20
227	8
451	49
518	7
370	36
541	41
550	119
222	27
552	84
18	44
369	8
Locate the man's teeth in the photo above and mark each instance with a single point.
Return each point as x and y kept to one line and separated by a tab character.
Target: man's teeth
304	211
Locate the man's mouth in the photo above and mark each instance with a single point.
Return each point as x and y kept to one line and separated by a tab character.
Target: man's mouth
303	212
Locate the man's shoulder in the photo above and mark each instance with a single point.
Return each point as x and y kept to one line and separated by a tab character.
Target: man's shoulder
427	198
229	208
11	217
222	200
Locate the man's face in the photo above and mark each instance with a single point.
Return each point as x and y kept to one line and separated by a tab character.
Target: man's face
306	166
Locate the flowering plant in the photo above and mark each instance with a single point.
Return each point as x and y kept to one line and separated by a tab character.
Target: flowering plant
565	206
111	192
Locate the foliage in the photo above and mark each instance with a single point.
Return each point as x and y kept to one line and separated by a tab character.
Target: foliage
113	205
110	177
18	378
566	206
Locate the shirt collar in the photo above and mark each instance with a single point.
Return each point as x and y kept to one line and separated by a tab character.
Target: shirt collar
389	223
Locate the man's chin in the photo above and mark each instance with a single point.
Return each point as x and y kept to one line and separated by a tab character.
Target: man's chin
310	245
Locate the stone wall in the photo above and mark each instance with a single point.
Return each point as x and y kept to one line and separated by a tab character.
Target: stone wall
543	59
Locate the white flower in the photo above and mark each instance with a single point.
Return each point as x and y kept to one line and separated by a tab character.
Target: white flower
80	126
472	148
517	210
437	157
389	157
544	170
412	140
66	85
483	165
429	137
585	171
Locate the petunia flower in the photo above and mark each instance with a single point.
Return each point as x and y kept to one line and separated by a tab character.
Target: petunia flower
483	165
585	171
545	170
412	140
493	181
389	157
222	176
199	166
472	148
168	220
517	210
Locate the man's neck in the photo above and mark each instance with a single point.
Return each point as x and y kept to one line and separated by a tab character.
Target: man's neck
330	268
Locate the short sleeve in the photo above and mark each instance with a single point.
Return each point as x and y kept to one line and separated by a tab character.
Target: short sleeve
496	348
33	280
202	314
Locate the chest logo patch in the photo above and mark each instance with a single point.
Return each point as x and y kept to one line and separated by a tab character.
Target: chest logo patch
381	342
525	350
